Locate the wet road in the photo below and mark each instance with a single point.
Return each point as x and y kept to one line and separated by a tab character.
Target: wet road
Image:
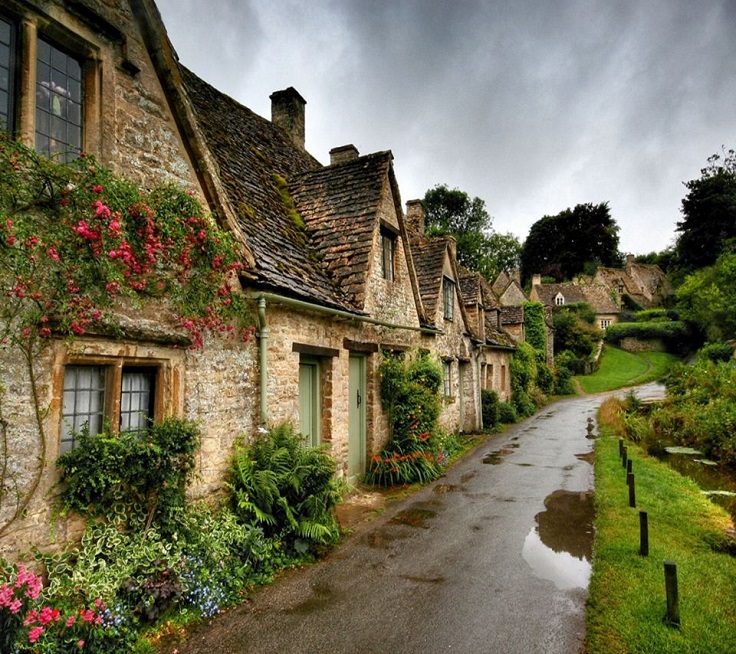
493	557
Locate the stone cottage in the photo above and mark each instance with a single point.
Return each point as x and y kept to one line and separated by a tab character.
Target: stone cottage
332	274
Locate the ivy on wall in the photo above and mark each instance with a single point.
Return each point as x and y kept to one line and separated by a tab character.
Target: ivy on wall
534	327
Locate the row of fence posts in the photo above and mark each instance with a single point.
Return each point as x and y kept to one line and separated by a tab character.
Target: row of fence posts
670	568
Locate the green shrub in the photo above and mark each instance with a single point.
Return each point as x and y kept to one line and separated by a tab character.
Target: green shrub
287	488
410	395
507	413
141	476
717	351
676	335
545	378
489	405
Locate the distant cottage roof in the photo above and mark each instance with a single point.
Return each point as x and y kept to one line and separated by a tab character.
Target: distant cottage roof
598	296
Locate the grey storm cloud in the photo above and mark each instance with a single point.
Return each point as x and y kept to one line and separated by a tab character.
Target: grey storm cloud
533	106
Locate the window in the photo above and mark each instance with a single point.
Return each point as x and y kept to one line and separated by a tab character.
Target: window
7	69
605	323
94	394
489	373
448	293
447	378
388	255
559	299
58	102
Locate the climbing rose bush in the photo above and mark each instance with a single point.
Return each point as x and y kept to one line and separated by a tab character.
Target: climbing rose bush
76	240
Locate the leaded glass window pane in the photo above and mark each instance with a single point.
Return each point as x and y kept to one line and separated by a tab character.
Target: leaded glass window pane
136	399
84	403
58	103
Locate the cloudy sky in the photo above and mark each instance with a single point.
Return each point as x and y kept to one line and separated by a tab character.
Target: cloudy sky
532	105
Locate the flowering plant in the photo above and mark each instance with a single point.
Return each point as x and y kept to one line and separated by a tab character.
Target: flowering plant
75	240
28	624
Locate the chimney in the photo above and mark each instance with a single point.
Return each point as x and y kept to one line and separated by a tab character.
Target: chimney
415	216
343	154
287	111
536	280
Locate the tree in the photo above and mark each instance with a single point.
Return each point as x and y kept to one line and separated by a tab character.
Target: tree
709	214
451	212
707	297
564	245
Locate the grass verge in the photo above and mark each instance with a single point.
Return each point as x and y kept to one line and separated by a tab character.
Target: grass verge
619	369
627	600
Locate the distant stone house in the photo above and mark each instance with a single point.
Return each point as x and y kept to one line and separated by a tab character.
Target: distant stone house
495	346
599	297
449	336
638	285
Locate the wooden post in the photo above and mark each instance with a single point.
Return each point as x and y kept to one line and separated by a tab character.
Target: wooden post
632	489
629	468
673	599
626	456
621	447
643	533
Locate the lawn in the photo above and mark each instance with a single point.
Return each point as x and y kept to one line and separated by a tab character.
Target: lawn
619	369
627	601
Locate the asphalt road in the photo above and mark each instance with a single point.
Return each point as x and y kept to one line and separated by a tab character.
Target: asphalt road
492	558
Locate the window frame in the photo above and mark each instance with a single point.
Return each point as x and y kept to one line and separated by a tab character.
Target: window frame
68	150
388	254
13	62
114	370
31	27
448	298
447	379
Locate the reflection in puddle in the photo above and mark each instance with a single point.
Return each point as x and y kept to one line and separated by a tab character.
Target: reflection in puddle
559	547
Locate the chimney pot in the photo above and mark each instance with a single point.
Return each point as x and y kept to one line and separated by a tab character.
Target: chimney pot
287	111
343	153
536	280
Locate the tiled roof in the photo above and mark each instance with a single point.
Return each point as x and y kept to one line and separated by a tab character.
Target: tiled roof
254	158
339	205
429	257
512	315
470	287
598	296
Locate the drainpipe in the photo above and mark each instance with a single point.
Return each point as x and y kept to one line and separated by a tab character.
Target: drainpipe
263	349
316	308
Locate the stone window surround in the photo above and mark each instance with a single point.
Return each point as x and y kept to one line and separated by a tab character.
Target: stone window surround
166	362
29	27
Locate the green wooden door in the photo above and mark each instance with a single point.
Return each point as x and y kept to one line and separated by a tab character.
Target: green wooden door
309	403
356	431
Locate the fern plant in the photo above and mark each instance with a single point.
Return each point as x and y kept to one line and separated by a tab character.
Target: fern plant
287	488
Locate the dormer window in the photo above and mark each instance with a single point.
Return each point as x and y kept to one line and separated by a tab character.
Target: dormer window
388	254
448	294
559	299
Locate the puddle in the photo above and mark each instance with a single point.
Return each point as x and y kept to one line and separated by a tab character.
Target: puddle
494	458
382	539
415	516
321	597
560	547
588	457
467	476
424	580
446	488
